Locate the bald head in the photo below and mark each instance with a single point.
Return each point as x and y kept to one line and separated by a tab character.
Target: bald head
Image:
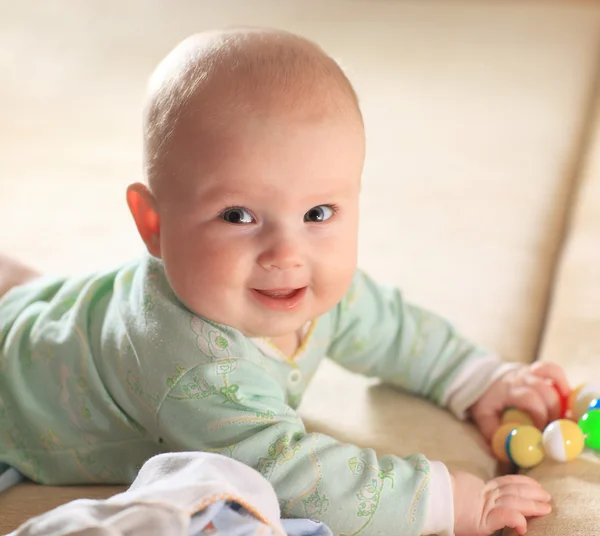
214	79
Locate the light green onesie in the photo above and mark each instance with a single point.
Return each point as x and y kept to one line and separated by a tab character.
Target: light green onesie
99	373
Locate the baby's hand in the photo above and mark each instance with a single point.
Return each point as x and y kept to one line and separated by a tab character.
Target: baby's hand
528	388
482	508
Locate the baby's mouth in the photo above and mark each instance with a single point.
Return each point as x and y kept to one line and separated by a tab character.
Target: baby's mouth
279	294
280	299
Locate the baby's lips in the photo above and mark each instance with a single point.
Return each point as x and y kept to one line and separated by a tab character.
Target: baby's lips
278	293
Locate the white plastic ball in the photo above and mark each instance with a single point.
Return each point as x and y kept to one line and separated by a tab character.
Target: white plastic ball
562	440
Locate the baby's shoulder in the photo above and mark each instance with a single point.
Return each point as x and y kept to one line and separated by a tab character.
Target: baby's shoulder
157	322
215	341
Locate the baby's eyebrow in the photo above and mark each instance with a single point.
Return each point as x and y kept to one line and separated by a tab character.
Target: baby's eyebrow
220	192
216	192
328	195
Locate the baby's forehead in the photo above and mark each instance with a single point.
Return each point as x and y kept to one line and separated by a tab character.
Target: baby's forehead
264	169
213	82
275	194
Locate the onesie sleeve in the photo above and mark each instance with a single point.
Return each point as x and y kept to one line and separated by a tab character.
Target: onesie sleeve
233	407
377	333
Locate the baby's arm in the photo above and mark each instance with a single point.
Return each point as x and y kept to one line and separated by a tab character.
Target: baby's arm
379	334
233	407
13	273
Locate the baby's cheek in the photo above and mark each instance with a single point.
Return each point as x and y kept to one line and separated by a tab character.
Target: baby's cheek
332	281
213	269
221	262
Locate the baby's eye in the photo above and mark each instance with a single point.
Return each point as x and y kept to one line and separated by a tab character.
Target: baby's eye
237	215
319	214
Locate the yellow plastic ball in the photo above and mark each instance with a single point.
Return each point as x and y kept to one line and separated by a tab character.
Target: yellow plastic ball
563	440
524	446
516	416
499	441
580	399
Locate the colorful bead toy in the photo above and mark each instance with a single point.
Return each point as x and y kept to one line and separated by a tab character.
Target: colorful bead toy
564	401
563	440
499	441
590	426
520	442
524	446
580	399
594	404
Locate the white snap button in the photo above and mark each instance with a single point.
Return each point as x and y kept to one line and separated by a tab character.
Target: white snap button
295	377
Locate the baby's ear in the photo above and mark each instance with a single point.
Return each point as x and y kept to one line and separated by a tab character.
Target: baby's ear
143	209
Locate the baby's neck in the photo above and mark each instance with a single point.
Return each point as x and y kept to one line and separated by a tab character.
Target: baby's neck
288	344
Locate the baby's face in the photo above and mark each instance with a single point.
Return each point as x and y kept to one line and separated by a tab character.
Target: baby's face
261	233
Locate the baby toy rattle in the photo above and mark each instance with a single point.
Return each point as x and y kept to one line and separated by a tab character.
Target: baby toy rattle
520	442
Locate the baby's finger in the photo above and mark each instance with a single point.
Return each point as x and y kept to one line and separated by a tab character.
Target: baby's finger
547	393
487	424
528	507
525	491
554	372
500	517
516	482
530	402
506	480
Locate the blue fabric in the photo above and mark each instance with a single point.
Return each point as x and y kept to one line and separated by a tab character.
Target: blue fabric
8	477
305	527
231	519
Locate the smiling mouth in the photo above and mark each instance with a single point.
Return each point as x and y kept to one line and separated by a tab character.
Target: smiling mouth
280	299
279	294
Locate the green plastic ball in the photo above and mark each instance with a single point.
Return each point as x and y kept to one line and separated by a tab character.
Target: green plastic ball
590	426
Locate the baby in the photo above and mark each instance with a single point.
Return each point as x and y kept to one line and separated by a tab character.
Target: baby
254	150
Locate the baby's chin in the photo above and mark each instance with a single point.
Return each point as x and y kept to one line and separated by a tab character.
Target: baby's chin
268	328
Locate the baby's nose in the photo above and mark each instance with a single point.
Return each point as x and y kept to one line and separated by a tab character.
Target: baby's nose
282	255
